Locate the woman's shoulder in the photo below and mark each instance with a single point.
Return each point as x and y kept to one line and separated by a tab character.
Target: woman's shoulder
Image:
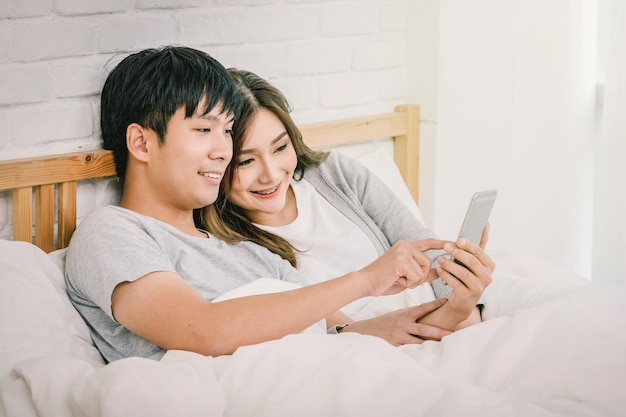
338	162
340	173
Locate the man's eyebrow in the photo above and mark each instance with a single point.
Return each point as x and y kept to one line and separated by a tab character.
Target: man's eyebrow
210	116
276	139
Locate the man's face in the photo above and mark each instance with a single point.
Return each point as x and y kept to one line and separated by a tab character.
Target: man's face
188	168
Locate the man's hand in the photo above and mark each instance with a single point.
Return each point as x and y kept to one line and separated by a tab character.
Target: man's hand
402	266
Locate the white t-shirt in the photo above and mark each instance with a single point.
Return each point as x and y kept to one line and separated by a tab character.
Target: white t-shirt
331	245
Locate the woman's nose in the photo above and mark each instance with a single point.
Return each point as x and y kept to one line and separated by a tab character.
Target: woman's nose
266	174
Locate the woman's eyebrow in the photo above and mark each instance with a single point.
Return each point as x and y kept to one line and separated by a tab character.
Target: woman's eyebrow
279	137
276	139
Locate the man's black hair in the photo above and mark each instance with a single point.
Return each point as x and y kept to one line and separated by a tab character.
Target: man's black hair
149	86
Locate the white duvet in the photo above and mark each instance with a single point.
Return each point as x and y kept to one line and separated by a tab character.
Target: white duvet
551	344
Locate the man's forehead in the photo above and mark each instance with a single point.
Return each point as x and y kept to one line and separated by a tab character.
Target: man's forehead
215	113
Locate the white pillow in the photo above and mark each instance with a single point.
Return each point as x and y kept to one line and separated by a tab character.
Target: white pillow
36	315
267	286
377	156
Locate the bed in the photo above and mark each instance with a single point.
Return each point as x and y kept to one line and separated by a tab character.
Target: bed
551	343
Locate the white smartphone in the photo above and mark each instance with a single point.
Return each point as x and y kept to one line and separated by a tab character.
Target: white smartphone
477	215
476	218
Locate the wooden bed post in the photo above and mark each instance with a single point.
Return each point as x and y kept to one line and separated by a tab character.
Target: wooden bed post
406	148
23	214
44	217
66	212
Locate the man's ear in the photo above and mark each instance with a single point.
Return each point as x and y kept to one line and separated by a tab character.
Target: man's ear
136	141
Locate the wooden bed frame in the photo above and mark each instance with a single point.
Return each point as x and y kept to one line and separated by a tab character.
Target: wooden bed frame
41	177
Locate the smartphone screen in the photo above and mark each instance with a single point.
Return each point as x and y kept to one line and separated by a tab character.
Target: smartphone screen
477	216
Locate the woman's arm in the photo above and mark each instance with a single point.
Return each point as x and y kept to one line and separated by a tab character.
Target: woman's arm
403	326
467	284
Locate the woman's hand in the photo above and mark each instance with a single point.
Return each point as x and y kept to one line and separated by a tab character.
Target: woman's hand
400	327
468	281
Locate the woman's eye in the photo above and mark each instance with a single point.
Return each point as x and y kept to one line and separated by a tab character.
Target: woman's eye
281	148
245	162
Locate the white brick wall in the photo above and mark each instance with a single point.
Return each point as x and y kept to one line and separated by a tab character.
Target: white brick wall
331	58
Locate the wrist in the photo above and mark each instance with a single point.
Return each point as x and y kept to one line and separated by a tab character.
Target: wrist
359	283
337	328
458	311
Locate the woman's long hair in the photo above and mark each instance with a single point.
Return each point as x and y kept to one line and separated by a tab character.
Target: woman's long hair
223	218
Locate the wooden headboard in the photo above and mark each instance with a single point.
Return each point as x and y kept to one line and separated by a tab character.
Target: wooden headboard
40	178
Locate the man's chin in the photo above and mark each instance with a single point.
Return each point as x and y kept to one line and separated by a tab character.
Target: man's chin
208	200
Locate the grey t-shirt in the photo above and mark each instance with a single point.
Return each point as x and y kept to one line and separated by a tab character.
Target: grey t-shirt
114	245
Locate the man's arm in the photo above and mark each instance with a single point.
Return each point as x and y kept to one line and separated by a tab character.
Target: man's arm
163	309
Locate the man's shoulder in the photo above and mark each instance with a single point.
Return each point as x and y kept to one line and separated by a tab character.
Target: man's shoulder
103	211
99	221
108	212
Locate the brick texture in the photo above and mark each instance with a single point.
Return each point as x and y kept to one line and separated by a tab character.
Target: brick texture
331	58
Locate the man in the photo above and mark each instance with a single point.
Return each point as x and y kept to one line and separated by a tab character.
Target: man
143	276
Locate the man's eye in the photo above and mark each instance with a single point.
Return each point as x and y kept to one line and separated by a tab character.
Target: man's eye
229	132
205	129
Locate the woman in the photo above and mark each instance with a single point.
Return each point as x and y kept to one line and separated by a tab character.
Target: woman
322	211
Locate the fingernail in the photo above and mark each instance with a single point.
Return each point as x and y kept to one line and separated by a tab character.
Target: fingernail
461	242
448	247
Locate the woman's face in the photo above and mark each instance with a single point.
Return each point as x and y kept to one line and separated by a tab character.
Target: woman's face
264	170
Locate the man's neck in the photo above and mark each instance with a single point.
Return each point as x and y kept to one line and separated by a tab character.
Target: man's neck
175	217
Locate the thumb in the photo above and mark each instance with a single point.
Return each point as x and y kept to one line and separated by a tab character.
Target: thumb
421	310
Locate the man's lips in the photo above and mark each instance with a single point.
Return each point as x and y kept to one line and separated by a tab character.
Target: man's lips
213	175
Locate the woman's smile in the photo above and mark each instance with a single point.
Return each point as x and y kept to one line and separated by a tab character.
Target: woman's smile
269	192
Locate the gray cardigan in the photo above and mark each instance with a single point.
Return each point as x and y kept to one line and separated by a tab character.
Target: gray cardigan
364	199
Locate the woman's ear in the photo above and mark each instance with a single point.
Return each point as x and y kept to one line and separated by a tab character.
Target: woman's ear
136	141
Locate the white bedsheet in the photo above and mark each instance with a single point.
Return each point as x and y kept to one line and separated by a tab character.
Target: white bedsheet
551	344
